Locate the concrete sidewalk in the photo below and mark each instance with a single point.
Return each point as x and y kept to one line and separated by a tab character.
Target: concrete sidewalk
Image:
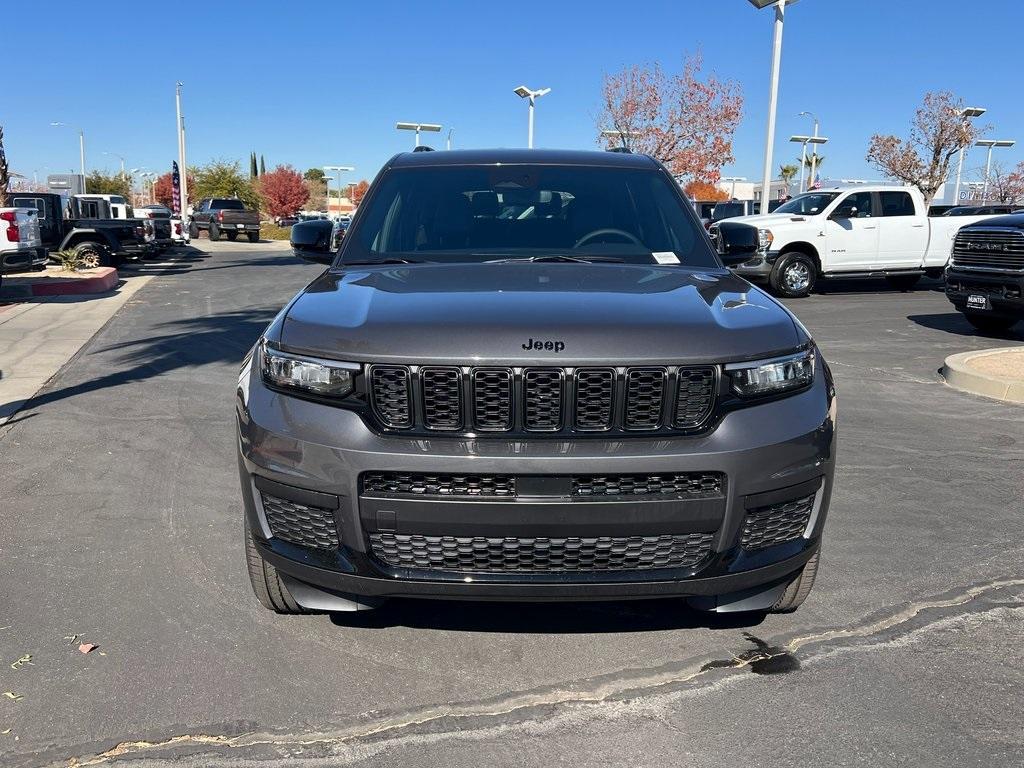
39	336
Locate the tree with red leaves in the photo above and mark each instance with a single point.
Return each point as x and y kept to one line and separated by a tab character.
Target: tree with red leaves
283	191
685	121
704	192
359	191
163	189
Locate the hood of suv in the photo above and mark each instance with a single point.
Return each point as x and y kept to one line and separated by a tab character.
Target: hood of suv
500	313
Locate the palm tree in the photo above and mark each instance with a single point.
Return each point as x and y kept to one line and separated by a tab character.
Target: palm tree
817	167
787	172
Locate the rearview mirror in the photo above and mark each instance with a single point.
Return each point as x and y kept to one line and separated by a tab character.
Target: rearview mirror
311	241
735	242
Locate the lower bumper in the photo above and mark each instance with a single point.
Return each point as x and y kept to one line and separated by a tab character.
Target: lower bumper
758	268
23	259
1005	293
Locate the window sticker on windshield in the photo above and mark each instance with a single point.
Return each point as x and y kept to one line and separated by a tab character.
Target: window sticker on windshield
665	257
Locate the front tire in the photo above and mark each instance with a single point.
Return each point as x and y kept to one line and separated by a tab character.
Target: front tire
193	231
991	323
799	588
92	255
254	237
214	233
266	582
793	275
903	282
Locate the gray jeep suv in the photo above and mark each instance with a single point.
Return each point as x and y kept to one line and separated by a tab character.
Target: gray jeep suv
527	375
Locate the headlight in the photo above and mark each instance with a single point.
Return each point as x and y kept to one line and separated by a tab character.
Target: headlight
764	239
329	378
769	377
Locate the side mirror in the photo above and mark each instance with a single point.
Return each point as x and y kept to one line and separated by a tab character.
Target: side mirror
735	242
311	241
844	212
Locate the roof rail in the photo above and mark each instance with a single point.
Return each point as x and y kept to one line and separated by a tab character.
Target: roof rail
423	148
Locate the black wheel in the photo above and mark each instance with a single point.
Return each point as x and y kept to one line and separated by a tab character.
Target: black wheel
193	231
254	237
990	323
266	582
214	232
232	236
91	255
799	588
903	282
793	275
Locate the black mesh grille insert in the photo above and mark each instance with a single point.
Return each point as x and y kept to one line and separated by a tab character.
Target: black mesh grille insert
693	484
542	392
778	523
389	392
456	553
299	524
595	397
442	398
645	388
695	396
492	399
407	483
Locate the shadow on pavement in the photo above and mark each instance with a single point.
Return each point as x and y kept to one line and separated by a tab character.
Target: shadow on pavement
839	286
544	618
189	342
954	322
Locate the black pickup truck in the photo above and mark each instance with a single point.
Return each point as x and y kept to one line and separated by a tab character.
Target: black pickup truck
86	227
985	276
225	216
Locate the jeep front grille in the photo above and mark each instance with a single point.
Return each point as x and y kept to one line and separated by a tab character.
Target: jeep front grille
998	249
460	399
540	554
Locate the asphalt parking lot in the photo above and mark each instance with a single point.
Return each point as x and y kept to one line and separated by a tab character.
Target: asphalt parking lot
121	526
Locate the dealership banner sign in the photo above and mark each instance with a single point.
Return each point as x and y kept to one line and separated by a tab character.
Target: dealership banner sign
176	187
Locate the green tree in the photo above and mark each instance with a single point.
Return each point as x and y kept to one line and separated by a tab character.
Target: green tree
788	172
222	178
100	183
315	174
263	166
253	172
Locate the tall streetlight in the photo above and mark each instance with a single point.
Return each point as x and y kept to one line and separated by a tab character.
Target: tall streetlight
81	147
623	136
990	143
119	157
965	114
339	169
448	143
805	140
432	127
773	92
814	149
733	179
525	93
182	168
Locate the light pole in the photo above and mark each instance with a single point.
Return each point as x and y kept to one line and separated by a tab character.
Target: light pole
965	114
448	143
773	92
525	93
182	168
622	136
119	157
733	179
432	127
990	143
814	153
805	140
81	148
339	169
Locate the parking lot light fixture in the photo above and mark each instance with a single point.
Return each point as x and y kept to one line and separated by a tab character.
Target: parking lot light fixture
119	157
81	147
432	127
814	154
805	140
531	95
990	143
773	91
967	113
339	169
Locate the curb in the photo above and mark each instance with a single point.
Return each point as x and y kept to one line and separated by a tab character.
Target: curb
959	376
105	279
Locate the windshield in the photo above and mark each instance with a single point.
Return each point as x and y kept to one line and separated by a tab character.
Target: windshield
486	213
227	205
809	204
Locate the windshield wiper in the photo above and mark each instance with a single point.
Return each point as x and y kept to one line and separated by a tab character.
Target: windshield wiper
370	262
555	257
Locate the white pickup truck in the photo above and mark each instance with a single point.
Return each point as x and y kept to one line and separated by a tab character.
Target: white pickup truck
859	231
21	246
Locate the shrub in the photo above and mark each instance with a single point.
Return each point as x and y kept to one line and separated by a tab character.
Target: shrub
274	232
69	260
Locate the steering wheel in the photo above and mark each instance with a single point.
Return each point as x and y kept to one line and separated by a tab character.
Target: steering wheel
598	232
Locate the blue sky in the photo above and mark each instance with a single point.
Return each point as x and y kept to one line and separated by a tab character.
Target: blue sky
317	83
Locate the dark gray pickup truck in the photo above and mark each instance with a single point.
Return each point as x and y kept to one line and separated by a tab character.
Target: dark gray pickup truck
528	375
224	216
985	276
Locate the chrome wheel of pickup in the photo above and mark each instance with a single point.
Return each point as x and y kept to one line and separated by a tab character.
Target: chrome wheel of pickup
794	275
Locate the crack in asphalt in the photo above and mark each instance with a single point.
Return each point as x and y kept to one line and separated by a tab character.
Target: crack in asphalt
629	685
